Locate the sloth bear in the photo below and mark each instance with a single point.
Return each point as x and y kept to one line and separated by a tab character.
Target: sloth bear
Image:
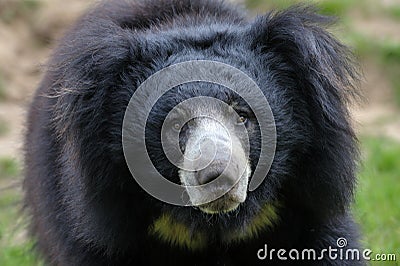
85	207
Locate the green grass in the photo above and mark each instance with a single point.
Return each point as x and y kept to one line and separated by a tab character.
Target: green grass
8	168
391	52
19	255
394	12
336	7
14	251
377	207
328	7
272	4
15	248
12	10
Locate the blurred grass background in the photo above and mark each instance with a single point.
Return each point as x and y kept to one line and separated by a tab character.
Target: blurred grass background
28	29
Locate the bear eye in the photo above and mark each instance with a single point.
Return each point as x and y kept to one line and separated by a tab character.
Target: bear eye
242	119
176	125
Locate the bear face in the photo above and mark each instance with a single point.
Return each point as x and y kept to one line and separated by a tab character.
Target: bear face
298	127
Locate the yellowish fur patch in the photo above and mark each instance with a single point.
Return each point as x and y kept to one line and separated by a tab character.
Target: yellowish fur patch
266	219
178	234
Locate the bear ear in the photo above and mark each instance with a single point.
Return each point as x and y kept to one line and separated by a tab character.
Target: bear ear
325	68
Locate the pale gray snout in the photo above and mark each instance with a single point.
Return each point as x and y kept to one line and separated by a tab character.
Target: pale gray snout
215	168
218	168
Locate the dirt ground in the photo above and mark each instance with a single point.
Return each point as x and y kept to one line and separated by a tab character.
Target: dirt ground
25	45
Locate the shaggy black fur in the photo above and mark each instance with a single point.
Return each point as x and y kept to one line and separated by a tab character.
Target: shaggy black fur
87	209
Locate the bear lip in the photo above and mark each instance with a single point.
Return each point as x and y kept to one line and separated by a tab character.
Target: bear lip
225	204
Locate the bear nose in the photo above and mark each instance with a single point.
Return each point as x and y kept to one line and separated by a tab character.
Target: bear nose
216	171
207	175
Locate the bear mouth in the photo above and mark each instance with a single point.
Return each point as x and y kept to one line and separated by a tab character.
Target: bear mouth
225	204
230	198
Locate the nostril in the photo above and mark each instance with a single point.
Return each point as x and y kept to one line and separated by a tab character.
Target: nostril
207	175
